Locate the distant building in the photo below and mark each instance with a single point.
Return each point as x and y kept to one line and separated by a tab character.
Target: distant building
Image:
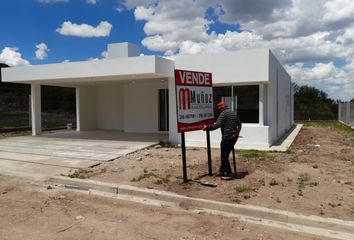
136	94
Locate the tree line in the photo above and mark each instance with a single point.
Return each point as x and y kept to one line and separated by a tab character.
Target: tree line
311	103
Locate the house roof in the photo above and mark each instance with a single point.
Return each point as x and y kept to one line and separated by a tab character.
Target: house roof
86	72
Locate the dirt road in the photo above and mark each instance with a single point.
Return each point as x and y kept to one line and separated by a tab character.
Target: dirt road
34	212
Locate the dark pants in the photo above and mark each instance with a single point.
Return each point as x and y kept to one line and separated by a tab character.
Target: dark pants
226	147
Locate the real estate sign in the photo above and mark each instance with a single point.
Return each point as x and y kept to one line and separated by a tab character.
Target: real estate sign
194	97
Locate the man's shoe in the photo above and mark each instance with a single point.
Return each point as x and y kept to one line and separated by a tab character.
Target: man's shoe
221	174
228	176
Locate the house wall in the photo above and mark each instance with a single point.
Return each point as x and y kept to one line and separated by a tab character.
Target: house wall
110	113
141	106
280	109
232	68
130	106
87	107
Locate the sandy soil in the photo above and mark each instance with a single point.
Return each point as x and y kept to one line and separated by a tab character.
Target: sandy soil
315	177
34	212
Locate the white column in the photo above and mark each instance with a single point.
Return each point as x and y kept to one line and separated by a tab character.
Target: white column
36	109
261	104
77	92
174	136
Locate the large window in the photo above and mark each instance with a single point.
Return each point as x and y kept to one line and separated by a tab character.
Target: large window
242	99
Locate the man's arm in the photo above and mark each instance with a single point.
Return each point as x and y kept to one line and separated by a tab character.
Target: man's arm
219	122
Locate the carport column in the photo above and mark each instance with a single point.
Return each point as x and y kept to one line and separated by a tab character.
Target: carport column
261	104
174	136
77	92
36	109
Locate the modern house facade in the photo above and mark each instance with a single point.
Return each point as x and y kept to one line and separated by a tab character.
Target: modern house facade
136	94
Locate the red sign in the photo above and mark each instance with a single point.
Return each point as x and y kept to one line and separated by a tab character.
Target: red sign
194	97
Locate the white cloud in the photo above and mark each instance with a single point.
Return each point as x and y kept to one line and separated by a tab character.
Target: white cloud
12	57
53	1
316	32
336	82
91	1
84	30
42	51
104	54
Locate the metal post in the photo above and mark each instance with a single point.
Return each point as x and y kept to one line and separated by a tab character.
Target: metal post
184	161
209	153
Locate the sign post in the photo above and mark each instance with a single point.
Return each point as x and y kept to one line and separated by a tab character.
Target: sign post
194	98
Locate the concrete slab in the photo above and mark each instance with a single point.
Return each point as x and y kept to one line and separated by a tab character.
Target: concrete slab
61	152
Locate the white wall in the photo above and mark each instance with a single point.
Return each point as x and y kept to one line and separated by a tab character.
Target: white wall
241	67
252	136
141	106
88	107
110	113
247	66
280	109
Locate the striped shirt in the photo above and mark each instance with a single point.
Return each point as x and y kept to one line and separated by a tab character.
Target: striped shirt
227	121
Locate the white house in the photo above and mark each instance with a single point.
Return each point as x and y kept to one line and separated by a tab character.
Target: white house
136	94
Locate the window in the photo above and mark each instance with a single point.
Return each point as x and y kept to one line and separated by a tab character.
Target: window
242	99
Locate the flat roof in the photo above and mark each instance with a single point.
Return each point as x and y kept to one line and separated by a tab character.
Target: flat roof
76	73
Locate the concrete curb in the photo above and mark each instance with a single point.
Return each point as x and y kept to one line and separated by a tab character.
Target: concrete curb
287	140
328	227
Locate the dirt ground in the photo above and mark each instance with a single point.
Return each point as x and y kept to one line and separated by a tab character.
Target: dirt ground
40	212
314	177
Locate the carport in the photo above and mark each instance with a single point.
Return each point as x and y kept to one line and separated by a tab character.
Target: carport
118	96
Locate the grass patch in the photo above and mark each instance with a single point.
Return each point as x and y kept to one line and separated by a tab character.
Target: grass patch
76	174
253	154
169	145
162	180
158	179
303	181
330	124
241	189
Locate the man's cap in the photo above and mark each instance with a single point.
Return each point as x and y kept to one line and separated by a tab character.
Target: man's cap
221	105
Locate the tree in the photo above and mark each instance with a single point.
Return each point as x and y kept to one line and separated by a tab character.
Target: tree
311	103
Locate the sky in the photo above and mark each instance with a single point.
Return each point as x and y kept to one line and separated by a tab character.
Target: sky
313	39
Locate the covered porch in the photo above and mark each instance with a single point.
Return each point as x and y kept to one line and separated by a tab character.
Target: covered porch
113	96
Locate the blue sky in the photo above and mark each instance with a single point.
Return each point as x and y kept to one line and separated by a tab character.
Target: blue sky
36	23
313	39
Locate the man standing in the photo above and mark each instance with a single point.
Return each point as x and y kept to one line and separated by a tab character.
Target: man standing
230	129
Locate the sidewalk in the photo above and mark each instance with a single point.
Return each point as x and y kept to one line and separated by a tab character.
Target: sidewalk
325	227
